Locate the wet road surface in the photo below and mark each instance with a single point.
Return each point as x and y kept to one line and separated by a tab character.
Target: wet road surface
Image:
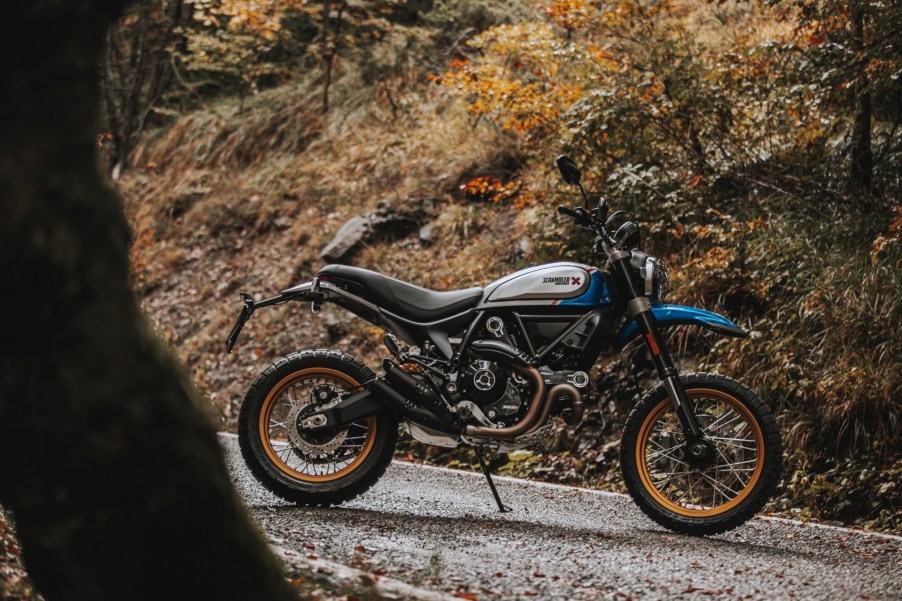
440	530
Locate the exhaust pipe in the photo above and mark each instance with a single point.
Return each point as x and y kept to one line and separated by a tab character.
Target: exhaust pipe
539	408
418	402
397	390
569	396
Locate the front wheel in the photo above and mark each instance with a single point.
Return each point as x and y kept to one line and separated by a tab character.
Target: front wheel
709	498
312	467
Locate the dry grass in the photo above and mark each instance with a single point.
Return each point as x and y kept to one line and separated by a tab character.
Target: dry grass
724	25
233	203
276	122
826	317
245	200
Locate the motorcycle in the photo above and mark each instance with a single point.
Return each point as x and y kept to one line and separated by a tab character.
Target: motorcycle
491	368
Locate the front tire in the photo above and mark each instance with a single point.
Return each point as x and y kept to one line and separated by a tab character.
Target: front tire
312	467
702	500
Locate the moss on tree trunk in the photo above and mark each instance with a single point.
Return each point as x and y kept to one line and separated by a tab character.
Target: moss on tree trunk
109	463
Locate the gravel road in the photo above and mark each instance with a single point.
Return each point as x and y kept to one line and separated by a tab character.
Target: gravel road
439	529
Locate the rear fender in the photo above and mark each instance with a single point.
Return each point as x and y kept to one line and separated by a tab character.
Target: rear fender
678	315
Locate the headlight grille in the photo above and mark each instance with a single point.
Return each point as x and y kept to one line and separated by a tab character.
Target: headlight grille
662	284
655	275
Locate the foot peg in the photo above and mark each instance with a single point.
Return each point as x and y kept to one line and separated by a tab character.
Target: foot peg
488	476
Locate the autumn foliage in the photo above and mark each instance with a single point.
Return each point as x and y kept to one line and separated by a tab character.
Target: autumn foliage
758	144
762	143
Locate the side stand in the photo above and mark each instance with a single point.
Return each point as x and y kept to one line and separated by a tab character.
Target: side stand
488	476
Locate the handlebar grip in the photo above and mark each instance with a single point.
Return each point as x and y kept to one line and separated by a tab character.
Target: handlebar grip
561	209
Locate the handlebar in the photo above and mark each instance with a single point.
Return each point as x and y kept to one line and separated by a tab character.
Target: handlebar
592	220
576	215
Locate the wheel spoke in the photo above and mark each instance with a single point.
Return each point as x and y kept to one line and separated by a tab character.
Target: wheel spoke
736	458
736	446
665	452
730	439
689	490
719	485
291	400
311	456
669	477
721	424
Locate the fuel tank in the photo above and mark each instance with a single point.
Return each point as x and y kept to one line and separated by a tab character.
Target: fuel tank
550	284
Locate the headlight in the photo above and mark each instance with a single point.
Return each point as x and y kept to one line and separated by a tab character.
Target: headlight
655	276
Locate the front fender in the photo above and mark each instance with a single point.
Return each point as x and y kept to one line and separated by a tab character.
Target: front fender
677	315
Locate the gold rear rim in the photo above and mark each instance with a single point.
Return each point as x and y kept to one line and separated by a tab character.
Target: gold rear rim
312	457
714	490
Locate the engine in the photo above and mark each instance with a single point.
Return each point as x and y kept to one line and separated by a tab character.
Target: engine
498	391
503	395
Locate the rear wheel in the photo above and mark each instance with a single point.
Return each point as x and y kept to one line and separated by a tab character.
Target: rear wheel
312	467
716	496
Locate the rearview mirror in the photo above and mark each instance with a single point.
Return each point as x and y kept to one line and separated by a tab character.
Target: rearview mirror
569	171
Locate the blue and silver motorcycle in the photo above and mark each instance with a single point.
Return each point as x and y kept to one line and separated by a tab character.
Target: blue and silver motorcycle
491	368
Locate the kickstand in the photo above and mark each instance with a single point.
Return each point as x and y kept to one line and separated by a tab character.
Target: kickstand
488	476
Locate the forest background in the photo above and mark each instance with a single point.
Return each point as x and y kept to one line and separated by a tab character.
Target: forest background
758	143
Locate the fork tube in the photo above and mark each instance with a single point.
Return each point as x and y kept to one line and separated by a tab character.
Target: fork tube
667	373
640	309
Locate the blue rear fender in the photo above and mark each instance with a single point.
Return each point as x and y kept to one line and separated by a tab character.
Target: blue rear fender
678	315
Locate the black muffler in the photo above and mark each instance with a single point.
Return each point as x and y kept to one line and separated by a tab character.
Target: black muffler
399	391
413	399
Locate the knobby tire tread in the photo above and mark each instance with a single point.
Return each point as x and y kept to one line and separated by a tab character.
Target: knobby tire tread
733	518
322	494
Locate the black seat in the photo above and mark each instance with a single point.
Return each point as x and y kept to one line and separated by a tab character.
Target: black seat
411	302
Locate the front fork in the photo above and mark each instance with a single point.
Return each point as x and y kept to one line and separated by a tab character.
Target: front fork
699	450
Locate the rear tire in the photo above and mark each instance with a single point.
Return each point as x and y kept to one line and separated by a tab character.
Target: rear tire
312	467
716	498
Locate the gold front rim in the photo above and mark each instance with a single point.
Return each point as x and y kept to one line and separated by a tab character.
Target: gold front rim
716	489
302	464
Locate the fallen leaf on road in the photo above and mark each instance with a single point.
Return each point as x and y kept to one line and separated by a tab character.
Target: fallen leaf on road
708	591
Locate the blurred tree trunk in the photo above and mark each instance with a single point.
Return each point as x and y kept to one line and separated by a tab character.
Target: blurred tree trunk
862	170
109	463
137	68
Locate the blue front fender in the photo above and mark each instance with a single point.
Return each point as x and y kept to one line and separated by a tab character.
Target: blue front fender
676	315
